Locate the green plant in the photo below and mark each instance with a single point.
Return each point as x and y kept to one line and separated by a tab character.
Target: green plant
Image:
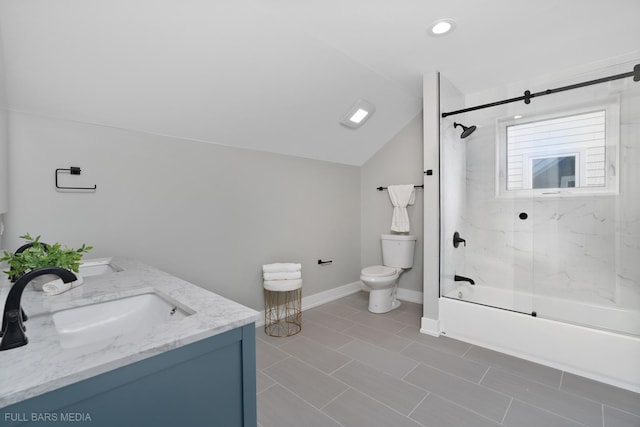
41	255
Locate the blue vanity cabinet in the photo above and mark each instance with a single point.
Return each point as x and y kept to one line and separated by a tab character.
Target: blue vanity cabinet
211	382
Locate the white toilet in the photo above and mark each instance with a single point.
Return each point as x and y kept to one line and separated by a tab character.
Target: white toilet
397	255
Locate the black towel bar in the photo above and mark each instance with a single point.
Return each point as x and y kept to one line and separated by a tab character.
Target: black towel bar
384	188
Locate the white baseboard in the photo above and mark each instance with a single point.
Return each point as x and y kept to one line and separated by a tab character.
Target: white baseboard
403	294
322	298
410	296
430	327
351	288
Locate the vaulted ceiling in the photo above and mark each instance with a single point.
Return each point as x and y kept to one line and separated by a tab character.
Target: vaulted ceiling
277	75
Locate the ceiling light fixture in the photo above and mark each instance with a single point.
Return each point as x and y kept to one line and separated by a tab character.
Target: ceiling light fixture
358	114
441	27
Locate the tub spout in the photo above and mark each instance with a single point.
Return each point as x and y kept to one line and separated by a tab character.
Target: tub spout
463	279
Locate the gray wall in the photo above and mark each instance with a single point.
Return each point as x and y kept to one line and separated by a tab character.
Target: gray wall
398	162
4	173
206	213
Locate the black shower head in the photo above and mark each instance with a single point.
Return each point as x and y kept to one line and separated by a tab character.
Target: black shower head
466	131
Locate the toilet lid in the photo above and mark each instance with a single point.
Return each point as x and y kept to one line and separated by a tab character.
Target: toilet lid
379	271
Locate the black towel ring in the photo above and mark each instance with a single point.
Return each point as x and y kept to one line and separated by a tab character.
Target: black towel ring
73	170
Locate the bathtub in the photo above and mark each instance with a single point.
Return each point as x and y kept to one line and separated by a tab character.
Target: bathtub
599	354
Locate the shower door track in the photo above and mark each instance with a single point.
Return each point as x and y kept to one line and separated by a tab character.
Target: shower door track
511	310
528	95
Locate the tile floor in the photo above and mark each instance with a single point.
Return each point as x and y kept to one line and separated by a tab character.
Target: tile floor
349	367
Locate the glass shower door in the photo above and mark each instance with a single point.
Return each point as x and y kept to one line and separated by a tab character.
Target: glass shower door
586	246
493	266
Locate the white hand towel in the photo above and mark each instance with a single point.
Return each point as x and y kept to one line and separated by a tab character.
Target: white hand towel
284	275
401	196
281	267
57	286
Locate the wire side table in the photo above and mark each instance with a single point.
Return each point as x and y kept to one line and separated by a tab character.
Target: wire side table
283	307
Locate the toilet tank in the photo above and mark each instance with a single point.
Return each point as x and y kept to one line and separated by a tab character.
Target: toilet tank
398	249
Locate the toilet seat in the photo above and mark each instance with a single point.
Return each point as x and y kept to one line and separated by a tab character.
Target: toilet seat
379	271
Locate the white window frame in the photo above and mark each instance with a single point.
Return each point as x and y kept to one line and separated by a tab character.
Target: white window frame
611	106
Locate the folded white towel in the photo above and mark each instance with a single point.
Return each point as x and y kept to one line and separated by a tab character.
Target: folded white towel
284	275
281	267
57	286
401	196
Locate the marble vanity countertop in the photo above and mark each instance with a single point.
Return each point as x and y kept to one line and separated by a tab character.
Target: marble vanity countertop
44	365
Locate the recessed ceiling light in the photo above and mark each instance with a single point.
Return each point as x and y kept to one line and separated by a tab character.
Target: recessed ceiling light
517	116
442	27
358	114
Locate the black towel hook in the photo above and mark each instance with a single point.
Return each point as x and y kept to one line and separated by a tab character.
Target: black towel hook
73	170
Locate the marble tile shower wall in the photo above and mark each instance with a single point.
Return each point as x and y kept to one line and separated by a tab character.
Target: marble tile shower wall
628	219
454	204
584	248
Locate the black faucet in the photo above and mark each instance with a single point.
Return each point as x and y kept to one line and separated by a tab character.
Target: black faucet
30	244
12	327
463	279
14	278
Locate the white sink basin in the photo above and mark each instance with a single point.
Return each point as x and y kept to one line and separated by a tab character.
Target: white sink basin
103	321
98	267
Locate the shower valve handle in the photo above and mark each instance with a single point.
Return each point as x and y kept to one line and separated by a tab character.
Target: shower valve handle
457	240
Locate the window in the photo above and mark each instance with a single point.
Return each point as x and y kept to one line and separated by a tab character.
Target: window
572	152
554	172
